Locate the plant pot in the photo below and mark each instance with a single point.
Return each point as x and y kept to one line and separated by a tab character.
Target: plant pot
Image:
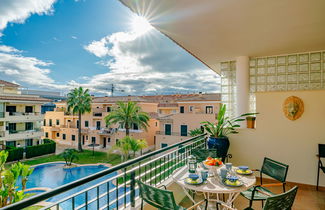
250	122
221	144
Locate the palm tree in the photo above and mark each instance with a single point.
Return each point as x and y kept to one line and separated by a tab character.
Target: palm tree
79	101
69	156
124	145
127	114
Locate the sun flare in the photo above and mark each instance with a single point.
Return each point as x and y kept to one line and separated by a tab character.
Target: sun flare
140	25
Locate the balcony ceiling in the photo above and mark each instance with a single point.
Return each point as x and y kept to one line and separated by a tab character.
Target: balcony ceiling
220	30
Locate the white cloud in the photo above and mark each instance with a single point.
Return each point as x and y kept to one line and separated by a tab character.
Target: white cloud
74	37
148	64
8	49
27	70
17	11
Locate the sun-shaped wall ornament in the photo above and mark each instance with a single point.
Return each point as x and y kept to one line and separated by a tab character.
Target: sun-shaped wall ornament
293	107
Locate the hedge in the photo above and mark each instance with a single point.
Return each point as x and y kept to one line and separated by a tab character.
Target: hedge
48	147
15	153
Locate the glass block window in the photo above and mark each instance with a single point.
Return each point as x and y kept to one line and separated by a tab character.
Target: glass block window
303	71
228	86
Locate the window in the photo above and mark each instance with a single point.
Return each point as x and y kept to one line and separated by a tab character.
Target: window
86	124
57	134
46	134
135	126
183	130
28	142
191	108
108	109
93	140
156	124
44	122
63	136
50	122
77	123
209	109
11	143
11	109
108	140
28	109
12	128
168	129
57	122
164	145
28	126
181	109
73	137
97	125
86	138
116	141
154	140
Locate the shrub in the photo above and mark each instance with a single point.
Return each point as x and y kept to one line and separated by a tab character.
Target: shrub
48	147
14	153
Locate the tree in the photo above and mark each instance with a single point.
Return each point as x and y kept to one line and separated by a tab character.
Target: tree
127	114
196	132
128	144
124	146
79	102
137	145
69	155
8	190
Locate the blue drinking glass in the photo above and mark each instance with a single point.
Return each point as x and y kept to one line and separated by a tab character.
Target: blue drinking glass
204	175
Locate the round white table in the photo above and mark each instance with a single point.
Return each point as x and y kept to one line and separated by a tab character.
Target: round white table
214	185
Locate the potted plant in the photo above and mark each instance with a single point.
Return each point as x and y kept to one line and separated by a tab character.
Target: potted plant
220	130
250	120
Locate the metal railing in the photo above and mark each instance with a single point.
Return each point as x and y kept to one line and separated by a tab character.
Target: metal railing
116	187
25	131
171	133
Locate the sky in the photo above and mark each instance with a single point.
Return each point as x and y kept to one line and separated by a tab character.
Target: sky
58	45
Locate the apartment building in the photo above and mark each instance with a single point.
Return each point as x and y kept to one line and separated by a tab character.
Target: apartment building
20	116
171	117
62	126
181	114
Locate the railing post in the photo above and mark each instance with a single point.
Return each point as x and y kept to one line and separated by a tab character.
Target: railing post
132	188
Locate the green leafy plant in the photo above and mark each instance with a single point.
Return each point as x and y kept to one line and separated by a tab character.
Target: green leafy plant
196	132
129	144
69	155
224	125
9	192
79	102
127	114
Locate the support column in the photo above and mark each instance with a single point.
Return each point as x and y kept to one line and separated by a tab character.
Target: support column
242	86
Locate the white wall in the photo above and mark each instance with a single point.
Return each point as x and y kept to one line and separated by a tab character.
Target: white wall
292	142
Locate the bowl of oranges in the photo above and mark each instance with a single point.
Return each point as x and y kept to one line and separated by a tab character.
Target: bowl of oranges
213	163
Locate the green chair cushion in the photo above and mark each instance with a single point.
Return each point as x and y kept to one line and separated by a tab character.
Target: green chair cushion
257	195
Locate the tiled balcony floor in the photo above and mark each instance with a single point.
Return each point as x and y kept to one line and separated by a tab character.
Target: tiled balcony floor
307	199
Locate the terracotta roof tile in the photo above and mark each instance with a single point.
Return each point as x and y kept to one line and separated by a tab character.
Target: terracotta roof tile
8	84
23	98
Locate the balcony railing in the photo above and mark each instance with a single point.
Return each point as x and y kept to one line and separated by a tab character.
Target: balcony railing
120	190
170	134
24	113
25	131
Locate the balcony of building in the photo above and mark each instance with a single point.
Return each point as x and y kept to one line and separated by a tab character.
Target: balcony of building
10	135
21	116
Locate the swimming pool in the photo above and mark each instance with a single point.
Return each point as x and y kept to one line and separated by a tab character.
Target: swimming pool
53	175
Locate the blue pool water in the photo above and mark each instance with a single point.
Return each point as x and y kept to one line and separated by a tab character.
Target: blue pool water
54	175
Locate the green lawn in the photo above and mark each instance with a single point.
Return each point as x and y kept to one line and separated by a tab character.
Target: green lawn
85	157
34	207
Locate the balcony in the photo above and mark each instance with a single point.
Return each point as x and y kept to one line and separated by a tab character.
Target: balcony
21	134
21	116
171	134
155	167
